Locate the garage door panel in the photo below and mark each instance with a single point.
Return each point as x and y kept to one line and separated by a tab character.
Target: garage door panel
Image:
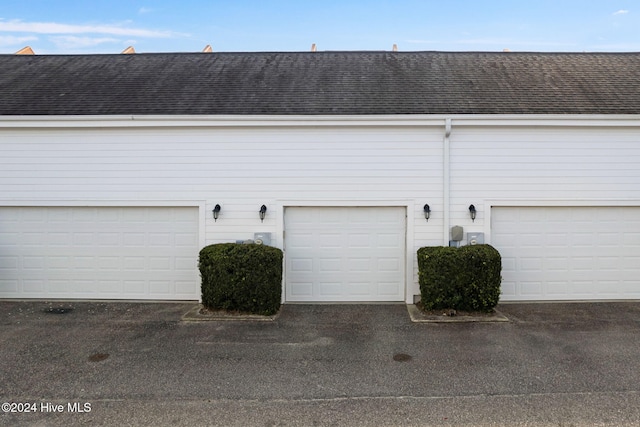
609	264
109	263
390	240
160	287
329	265
359	265
556	264
558	289
188	240
359	288
359	240
630	261
301	289
330	288
134	288
7	238
531	240
629	287
301	265
568	252
530	264
329	241
629	238
528	288
111	239
508	287
610	241
99	252
29	286
8	263
388	265
344	254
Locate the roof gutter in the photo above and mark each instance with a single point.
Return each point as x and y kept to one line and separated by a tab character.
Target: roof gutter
137	120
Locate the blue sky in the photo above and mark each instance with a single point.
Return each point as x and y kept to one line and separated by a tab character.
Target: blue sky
82	26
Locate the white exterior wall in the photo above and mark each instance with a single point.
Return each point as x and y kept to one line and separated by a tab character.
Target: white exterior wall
545	165
243	162
238	167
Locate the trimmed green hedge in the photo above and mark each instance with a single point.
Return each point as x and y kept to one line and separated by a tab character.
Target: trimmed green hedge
466	278
241	277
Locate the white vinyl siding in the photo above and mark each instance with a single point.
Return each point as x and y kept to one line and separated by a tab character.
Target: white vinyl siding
541	163
238	168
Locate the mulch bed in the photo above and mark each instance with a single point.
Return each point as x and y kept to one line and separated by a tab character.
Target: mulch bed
200	313
419	314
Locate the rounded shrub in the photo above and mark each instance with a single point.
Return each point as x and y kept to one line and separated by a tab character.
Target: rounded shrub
466	279
241	277
481	285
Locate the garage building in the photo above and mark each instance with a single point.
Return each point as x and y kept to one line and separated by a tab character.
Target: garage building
111	167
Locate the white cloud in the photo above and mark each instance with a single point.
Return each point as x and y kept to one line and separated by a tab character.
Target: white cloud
74	42
504	43
144	10
57	28
14	41
418	41
621	12
616	47
510	42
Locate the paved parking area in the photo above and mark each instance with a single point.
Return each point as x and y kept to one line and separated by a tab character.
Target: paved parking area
97	363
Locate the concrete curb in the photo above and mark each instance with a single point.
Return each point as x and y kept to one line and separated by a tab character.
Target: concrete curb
418	316
196	315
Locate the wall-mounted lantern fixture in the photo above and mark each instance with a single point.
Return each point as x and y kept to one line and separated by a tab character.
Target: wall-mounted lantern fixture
216	212
263	211
427	212
472	212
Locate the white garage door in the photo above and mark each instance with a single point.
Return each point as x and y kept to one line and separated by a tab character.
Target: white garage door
99	252
336	254
568	253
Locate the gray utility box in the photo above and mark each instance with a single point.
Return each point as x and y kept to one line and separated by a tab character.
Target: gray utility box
475	238
456	233
262	238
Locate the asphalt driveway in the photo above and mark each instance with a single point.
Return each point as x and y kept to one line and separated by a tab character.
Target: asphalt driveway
96	363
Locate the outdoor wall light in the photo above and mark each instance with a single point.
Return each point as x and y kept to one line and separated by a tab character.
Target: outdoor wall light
263	211
216	212
427	212
472	212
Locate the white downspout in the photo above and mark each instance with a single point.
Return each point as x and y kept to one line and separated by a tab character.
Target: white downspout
446	183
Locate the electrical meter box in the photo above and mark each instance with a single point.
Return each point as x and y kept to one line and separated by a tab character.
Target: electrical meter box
475	238
262	238
457	233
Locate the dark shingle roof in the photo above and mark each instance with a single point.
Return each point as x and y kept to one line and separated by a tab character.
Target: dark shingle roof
321	83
